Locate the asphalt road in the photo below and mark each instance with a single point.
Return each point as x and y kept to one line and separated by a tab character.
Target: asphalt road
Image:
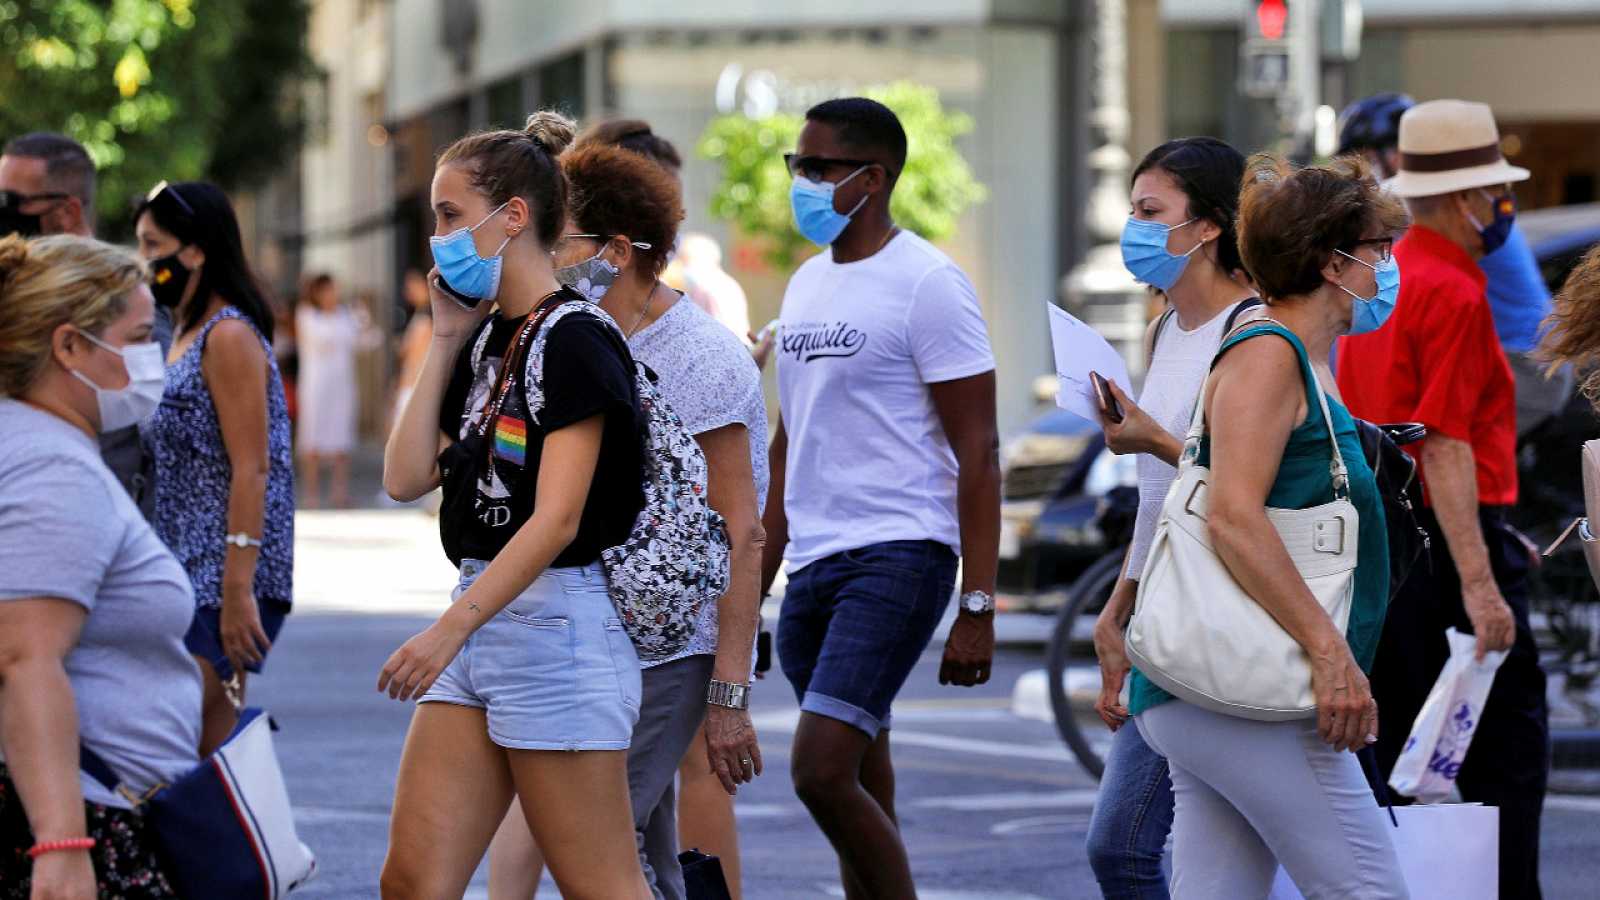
991	804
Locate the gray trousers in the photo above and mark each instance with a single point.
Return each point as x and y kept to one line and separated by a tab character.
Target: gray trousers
672	705
1251	795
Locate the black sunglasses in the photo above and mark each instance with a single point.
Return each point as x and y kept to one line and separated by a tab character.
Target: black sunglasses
815	167
161	189
1385	246
15	199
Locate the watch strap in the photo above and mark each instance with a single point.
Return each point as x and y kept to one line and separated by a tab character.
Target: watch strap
727	694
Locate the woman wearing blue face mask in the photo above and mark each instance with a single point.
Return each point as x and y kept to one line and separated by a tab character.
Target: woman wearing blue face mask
224	474
1180	240
528	686
1257	794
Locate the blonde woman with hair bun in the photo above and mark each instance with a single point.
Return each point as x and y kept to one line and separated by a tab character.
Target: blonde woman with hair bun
93	606
528	687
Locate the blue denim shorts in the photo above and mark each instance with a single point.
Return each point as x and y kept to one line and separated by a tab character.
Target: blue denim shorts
554	670
855	623
204	638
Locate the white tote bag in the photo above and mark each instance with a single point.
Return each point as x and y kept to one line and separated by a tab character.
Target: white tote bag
1450	851
1198	635
1443	731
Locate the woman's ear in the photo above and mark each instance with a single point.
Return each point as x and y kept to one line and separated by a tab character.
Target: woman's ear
621	247
1207	230
518	216
1333	269
192	257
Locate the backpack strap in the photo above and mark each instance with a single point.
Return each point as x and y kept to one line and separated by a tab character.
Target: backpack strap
1240	309
1155	336
97	768
533	371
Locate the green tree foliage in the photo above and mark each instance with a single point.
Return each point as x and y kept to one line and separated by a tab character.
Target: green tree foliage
935	188
174	89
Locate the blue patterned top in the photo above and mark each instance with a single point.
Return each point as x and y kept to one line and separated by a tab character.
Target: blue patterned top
193	475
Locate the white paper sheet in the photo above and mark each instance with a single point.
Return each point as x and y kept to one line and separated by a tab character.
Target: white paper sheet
1080	350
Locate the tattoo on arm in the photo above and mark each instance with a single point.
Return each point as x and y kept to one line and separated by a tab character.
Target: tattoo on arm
473	605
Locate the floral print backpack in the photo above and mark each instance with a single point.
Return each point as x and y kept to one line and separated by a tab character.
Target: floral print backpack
675	559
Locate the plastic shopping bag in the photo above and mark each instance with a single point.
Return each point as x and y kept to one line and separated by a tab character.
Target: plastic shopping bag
1432	757
1449	851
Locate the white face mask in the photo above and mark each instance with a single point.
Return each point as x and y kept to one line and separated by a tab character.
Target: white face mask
147	380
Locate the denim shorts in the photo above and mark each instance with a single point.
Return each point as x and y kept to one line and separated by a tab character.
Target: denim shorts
204	638
554	670
855	623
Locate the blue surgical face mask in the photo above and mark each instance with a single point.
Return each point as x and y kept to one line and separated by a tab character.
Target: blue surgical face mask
1497	231
1369	313
814	214
465	273
1144	252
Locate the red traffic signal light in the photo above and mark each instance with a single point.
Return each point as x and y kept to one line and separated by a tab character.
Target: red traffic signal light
1271	15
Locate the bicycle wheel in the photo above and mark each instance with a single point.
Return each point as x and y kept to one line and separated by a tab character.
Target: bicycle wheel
1073	671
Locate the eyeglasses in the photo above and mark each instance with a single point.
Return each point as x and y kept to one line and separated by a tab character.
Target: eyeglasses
816	167
597	238
15	200
1385	246
163	188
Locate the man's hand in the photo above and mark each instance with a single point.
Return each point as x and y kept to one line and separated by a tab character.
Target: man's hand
1110	646
969	651
731	746
1491	617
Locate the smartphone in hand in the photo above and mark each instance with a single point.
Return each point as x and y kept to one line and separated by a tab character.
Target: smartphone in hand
461	300
1108	400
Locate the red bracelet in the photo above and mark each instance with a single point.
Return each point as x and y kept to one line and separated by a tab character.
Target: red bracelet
40	849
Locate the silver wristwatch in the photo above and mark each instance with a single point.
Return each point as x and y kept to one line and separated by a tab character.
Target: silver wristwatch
727	694
241	539
977	603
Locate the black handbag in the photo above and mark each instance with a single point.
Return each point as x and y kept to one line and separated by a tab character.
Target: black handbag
702	876
1400	491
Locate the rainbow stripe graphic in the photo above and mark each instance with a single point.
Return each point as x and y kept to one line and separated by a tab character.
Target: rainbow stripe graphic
511	440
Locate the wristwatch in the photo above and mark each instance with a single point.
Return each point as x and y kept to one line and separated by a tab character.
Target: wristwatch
241	539
977	603
727	694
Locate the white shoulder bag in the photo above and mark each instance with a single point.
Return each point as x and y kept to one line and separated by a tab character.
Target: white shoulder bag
1198	635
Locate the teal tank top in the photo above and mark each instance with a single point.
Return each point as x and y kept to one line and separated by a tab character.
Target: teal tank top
1304	481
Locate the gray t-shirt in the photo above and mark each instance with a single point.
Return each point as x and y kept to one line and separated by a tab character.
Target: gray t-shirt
706	374
69	531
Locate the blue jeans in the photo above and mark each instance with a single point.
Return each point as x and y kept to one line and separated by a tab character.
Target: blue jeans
855	623
1131	821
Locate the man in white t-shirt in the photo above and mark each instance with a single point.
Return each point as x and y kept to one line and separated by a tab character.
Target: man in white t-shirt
884	471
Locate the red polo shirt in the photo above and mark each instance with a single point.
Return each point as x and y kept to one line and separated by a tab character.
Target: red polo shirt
1437	361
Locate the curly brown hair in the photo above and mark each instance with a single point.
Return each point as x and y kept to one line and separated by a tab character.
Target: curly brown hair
612	191
1291	220
1573	329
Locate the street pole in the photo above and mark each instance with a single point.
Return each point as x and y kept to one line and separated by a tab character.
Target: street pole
1099	289
1297	107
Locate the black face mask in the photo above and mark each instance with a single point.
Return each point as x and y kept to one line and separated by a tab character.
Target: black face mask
168	279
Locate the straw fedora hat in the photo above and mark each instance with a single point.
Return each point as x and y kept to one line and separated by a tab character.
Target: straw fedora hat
1450	145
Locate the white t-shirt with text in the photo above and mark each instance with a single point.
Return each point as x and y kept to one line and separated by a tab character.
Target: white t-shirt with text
859	343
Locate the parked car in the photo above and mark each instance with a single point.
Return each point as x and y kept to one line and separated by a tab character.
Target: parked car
1056	481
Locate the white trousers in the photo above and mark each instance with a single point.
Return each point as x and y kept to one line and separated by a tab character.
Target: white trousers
1253	795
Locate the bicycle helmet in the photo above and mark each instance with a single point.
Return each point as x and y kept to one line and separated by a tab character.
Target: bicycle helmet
1373	122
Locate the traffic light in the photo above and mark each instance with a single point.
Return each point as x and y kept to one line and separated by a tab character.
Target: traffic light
1271	17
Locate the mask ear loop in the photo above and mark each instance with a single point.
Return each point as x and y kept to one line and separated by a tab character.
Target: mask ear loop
840	183
1374	278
